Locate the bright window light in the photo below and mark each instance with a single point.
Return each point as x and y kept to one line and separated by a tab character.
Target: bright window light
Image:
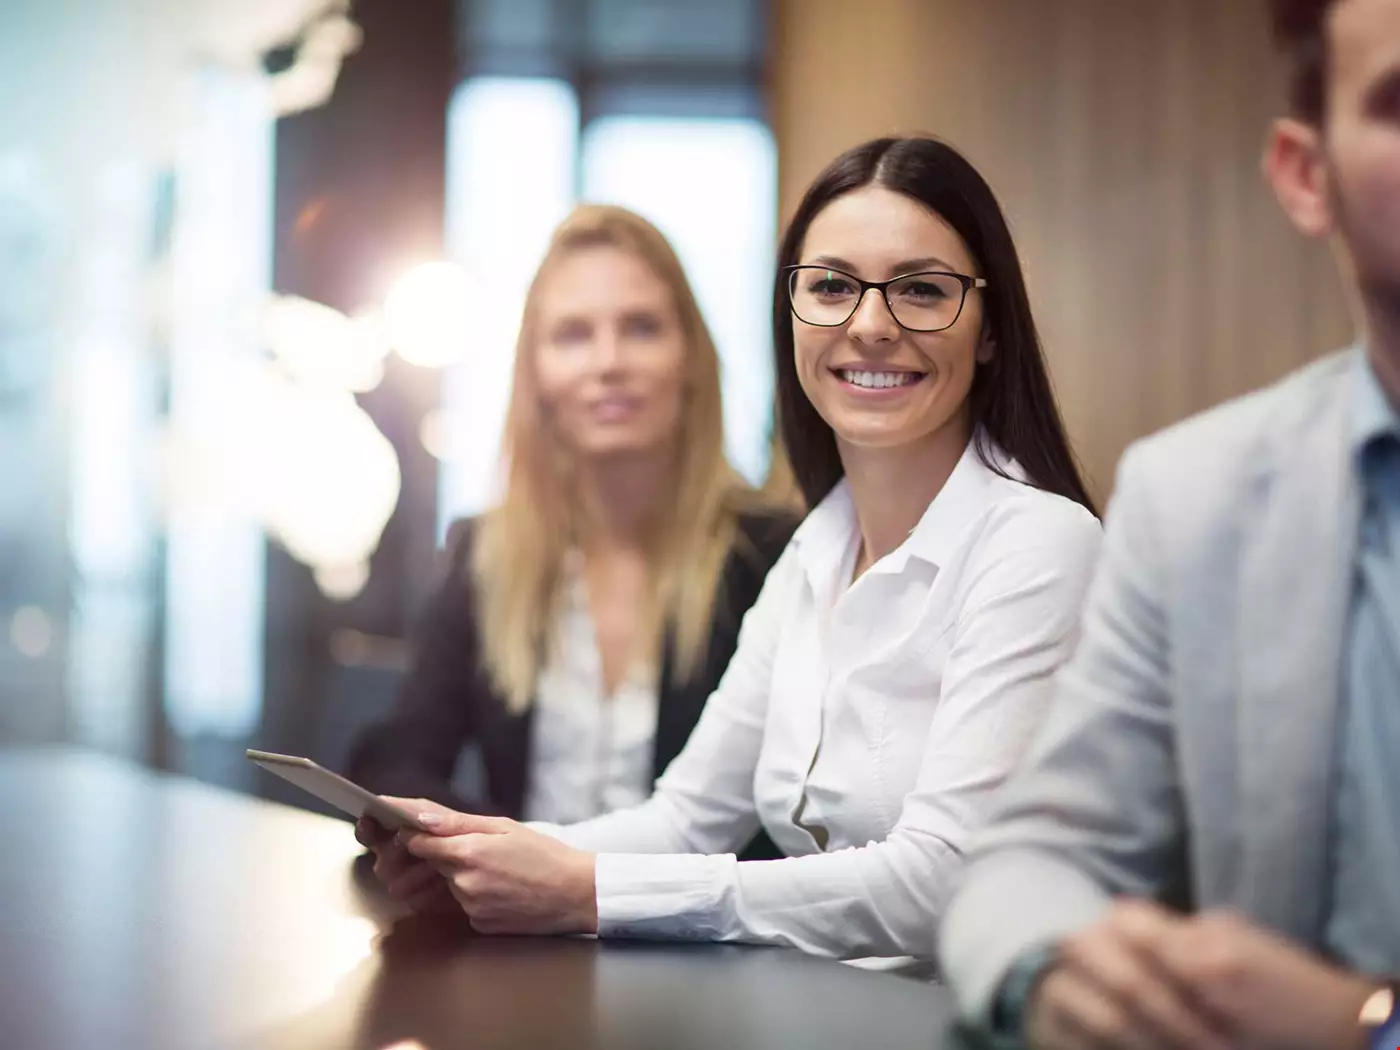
511	149
222	272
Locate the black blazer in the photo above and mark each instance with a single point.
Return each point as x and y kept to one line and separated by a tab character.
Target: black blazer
447	700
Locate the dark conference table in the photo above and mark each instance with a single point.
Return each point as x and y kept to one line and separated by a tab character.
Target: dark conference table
146	912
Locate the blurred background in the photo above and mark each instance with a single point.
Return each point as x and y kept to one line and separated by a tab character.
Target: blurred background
262	262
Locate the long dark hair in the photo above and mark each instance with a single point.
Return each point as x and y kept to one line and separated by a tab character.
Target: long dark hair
1011	401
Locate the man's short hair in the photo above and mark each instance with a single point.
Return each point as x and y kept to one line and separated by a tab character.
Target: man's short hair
1300	30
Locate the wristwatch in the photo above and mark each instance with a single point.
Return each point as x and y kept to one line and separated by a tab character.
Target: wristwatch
1013	997
1380	1018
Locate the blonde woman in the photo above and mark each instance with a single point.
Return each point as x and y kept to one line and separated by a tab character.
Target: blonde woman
585	620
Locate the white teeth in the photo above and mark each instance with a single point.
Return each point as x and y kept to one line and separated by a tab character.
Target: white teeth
879	380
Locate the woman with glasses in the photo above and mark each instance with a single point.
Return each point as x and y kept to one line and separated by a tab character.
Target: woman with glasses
901	653
584	620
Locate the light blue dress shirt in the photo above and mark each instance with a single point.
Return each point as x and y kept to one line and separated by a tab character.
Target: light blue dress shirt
1363	928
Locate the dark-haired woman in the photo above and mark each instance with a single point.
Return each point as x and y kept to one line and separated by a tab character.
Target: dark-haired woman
900	654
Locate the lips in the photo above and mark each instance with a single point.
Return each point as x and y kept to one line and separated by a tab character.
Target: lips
613	409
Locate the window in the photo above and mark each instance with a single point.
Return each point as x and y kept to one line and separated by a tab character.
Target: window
222	262
511	150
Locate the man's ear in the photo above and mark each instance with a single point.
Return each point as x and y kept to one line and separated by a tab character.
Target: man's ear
1297	170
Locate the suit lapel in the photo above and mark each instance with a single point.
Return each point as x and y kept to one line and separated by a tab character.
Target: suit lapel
1295	592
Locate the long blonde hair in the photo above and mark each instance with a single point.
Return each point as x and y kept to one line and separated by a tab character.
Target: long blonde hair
520	548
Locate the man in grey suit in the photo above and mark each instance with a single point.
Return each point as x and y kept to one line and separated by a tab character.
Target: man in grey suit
1203	846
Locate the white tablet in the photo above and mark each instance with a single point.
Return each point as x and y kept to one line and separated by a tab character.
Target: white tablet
329	787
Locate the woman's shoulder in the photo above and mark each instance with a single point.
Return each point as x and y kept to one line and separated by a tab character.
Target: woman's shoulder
1027	519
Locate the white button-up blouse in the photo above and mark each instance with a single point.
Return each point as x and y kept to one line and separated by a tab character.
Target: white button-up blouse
865	726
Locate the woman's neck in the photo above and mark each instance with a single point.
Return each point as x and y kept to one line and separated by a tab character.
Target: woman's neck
623	499
893	487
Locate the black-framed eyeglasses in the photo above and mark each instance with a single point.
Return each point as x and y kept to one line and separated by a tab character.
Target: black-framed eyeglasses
929	301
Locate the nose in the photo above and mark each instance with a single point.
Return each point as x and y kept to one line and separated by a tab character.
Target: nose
607	352
872	322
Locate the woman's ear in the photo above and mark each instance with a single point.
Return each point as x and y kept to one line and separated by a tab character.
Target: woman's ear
986	347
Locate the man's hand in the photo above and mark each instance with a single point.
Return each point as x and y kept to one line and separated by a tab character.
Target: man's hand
1109	990
1144	977
1270	992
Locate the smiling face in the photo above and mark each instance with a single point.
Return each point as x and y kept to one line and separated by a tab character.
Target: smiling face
875	383
610	357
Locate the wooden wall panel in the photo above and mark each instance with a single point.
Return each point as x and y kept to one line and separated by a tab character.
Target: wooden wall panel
1123	137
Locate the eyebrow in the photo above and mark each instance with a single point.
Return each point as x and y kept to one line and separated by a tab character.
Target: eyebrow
930	262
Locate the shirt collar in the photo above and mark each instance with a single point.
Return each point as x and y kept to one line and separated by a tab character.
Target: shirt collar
1373	414
971	487
824	534
831	527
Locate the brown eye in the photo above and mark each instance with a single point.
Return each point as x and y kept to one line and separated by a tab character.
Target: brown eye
923	290
830	286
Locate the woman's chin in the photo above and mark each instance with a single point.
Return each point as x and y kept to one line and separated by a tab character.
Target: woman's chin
875	434
604	447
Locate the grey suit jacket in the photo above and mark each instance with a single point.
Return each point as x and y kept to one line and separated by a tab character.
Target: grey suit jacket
1188	755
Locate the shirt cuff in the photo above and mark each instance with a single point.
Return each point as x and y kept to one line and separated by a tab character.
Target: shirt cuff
671	896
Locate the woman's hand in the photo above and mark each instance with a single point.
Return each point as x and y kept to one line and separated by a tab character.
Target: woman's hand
405	878
506	877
